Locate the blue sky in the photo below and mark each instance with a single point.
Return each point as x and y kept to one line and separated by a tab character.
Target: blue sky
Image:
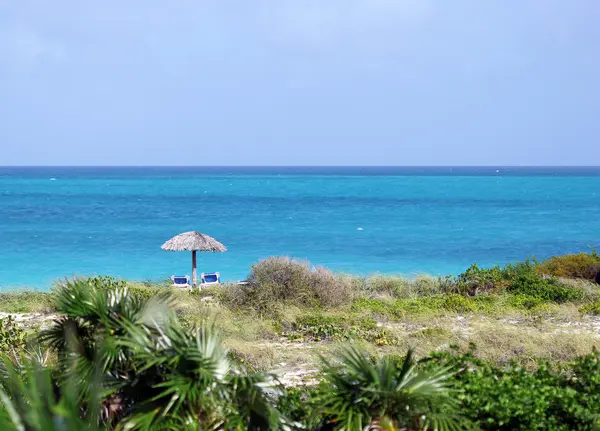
300	82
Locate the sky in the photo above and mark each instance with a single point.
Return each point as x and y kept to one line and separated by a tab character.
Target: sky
300	82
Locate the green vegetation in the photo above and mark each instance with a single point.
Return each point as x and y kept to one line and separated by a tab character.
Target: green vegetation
580	265
25	301
125	362
12	336
512	398
152	357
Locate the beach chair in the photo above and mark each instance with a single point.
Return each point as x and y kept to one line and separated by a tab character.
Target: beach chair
181	281
208	278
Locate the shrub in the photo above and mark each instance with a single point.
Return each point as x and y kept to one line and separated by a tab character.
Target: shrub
278	280
477	280
299	404
580	265
12	336
513	398
526	302
548	289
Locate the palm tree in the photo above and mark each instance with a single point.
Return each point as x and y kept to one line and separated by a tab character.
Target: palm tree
156	374
31	400
197	383
382	394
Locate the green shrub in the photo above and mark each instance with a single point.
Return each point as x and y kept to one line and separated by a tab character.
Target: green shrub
457	304
548	289
526	302
12	336
513	398
299	404
281	280
477	280
580	265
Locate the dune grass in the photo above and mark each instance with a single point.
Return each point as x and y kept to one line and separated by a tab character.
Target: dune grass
25	301
290	312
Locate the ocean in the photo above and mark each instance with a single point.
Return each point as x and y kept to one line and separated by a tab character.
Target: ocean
64	221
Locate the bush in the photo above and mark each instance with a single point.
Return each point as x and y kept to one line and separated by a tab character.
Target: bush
548	289
526	302
521	279
278	280
477	280
580	265
299	404
513	398
12	337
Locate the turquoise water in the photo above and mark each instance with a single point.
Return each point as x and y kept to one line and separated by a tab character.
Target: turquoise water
57	222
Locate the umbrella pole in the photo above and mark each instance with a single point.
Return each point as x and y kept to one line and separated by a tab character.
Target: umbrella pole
194	267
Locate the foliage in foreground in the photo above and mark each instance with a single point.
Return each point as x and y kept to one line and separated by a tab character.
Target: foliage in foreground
513	398
388	394
12	336
125	362
487	396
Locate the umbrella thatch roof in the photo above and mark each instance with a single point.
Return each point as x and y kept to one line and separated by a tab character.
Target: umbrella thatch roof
192	241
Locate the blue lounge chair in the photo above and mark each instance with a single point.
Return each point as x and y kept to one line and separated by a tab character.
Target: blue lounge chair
210	278
182	281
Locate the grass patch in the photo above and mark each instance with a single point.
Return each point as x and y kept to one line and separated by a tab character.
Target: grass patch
399	287
319	327
445	304
592	308
432	332
26	301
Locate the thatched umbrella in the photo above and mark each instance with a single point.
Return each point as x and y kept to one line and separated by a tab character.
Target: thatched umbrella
193	241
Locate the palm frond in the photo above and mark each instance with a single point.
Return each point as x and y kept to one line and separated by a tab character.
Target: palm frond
362	391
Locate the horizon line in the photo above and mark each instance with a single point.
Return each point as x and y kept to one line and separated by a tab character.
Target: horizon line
299	166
